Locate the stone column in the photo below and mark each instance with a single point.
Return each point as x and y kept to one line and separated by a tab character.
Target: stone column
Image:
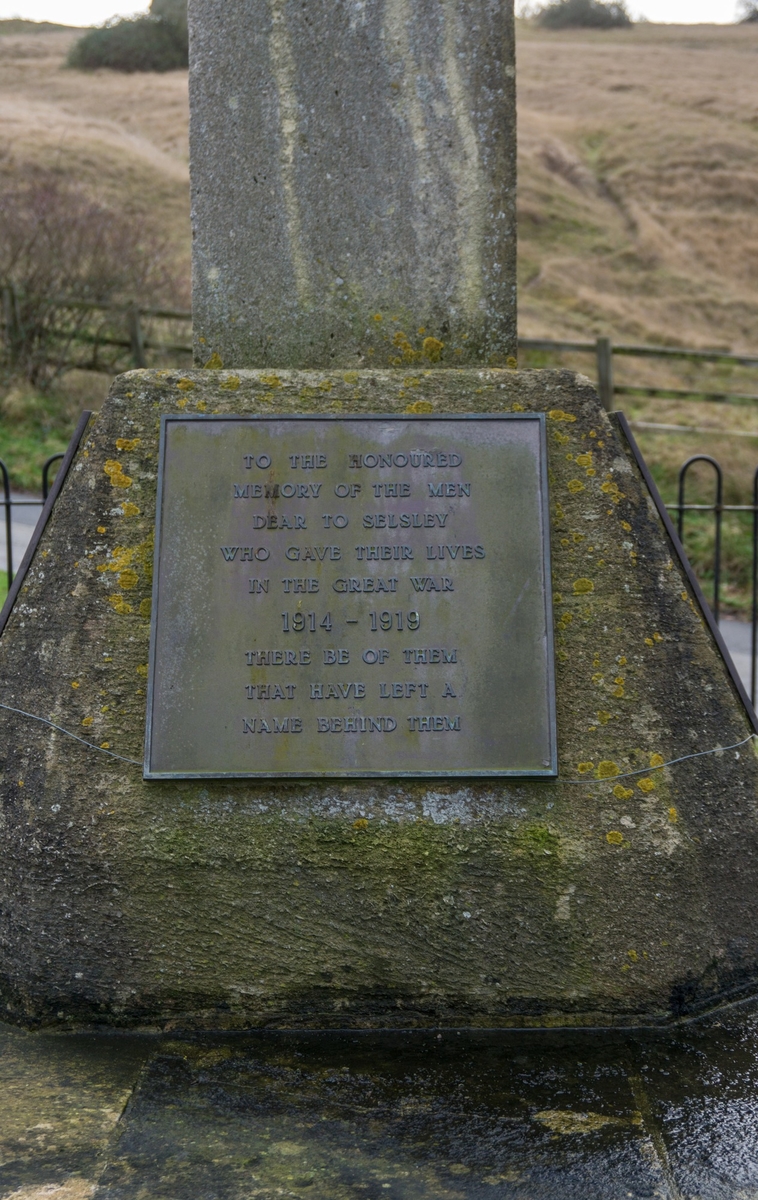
353	182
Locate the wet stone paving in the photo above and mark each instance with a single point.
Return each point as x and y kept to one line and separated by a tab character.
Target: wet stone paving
450	1116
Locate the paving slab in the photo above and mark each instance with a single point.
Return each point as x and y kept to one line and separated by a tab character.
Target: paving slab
449	1115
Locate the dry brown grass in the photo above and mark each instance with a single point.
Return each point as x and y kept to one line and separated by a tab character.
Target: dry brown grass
638	183
123	136
638	170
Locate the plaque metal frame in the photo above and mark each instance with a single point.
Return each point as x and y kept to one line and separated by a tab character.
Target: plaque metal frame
548	772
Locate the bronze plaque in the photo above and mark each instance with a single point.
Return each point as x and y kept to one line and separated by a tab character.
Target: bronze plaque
357	596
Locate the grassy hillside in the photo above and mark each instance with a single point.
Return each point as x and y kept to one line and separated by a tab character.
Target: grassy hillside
19	25
638	195
638	183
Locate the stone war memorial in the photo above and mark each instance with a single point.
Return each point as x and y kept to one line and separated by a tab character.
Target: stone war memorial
393	701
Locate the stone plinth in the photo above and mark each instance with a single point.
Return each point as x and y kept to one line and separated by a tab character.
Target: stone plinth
389	902
353	182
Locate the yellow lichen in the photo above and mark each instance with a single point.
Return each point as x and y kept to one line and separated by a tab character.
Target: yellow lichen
561	438
130	510
649	642
105	745
142	669
517	408
127	444
583	586
557	414
272	381
584	460
673	816
378	317
432	348
656	760
214	363
614	838
185	385
119	604
607	769
575	485
633	955
101	529
361	823
612	489
511	363
603	716
622	793
419	406
646	785
88	721
121	557
626	526
128	579
75	683
113	470
584	767
145	608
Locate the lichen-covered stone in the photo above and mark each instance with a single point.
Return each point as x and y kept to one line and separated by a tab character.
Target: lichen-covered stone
378	903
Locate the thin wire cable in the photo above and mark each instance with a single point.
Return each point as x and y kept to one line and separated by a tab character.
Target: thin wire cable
586	781
75	736
660	766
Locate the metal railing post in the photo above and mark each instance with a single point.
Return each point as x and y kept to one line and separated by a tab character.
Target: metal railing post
8	526
717	509
604	351
46	474
754	609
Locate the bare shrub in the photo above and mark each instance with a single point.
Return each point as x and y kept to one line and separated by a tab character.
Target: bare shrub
60	249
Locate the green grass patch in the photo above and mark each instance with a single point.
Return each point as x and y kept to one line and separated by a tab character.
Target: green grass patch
33	427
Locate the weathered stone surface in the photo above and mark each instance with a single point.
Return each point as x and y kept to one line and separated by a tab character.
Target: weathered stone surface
374	903
353	182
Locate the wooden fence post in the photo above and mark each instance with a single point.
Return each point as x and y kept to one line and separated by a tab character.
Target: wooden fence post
9	321
605	372
136	336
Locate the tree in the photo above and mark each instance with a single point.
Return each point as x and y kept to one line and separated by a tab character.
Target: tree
59	250
568	14
748	10
173	11
156	42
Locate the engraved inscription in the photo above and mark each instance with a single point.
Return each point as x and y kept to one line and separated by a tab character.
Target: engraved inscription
368	596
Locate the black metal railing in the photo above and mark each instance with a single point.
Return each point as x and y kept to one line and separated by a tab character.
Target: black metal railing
718	508
9	502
